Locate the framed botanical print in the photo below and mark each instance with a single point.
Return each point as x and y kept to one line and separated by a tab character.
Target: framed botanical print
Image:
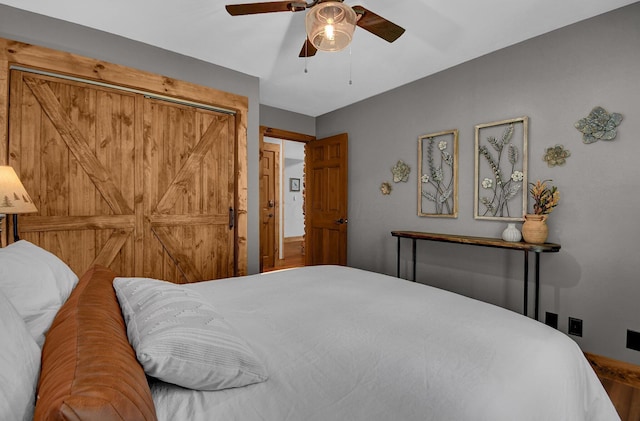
438	178
501	170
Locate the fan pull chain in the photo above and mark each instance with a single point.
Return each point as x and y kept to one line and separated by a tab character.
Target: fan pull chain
306	55
350	66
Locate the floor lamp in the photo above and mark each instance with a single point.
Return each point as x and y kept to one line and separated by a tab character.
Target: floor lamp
14	199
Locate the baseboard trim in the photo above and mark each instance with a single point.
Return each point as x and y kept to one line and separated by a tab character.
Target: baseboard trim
619	371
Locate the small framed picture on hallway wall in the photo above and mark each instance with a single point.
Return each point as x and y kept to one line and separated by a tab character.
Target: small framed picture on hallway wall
294	184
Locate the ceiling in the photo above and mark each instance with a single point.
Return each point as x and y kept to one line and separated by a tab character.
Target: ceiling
439	34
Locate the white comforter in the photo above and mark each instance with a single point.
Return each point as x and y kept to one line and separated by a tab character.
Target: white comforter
346	344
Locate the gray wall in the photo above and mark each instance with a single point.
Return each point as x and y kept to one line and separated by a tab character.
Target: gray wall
60	35
555	80
287	120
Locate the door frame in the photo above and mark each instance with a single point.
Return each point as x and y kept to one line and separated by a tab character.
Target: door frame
275	133
277	148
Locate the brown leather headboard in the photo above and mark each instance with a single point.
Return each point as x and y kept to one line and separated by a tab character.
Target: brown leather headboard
89	369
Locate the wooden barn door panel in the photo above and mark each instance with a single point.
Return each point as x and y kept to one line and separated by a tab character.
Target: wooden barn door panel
73	145
188	192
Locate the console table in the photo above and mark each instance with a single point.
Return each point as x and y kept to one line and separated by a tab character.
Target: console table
485	242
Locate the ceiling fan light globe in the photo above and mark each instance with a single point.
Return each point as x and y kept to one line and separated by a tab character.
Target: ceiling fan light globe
330	26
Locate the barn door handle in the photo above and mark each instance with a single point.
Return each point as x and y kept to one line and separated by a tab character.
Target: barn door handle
342	221
232	218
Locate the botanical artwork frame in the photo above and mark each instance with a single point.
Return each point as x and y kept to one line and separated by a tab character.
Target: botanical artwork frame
438	177
294	184
501	158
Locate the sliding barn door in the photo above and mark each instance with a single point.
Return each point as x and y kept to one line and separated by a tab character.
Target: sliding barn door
141	186
73	146
188	192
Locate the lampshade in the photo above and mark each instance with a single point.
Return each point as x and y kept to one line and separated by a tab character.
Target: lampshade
330	25
13	196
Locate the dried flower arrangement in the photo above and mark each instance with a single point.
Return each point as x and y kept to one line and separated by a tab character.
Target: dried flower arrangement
545	198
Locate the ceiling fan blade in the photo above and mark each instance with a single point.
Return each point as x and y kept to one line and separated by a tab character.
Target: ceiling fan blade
308	50
264	7
378	25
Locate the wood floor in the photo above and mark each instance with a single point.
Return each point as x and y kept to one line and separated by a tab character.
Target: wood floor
622	383
625	398
293	252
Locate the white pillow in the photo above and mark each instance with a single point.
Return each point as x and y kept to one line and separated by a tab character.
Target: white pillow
36	282
19	365
179	338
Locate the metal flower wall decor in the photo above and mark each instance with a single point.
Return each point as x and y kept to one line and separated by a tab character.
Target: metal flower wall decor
400	172
599	125
501	169
438	184
385	188
556	155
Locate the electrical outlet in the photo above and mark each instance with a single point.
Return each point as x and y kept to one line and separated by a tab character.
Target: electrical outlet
551	319
575	326
633	340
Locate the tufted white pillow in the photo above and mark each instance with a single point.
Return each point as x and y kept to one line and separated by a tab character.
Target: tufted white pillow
19	365
36	282
179	338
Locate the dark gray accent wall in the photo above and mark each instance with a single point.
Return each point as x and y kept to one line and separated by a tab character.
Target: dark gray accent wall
555	80
40	30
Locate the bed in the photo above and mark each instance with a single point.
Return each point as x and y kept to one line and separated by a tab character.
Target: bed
313	343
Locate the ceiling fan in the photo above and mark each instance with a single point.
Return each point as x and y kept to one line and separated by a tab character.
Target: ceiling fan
329	23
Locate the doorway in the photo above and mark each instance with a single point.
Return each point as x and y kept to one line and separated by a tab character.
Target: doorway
282	194
323	190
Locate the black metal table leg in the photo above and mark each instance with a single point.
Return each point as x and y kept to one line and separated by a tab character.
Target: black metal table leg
537	285
414	260
525	310
398	260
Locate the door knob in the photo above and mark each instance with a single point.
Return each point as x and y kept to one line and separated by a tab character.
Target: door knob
342	221
271	203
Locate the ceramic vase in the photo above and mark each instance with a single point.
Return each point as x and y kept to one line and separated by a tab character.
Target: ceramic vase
511	233
534	229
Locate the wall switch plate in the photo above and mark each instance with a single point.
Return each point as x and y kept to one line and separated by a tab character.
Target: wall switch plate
551	319
575	326
633	340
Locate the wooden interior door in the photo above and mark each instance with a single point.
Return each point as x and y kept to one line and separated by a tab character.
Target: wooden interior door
269	204
143	186
326	195
188	192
